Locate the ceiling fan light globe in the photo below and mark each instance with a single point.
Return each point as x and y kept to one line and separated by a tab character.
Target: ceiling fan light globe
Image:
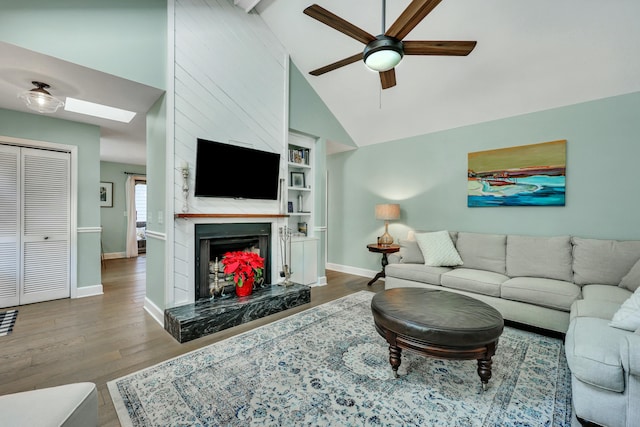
383	53
383	60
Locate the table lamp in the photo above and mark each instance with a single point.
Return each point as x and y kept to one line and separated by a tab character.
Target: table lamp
387	212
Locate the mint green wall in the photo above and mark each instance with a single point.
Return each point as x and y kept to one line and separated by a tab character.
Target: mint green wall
319	203
308	113
427	176
121	37
87	139
156	201
113	221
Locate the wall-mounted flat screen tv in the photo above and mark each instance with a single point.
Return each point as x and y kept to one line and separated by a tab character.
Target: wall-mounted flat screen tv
225	170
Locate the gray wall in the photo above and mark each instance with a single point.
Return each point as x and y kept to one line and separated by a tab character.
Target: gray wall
87	139
427	176
112	220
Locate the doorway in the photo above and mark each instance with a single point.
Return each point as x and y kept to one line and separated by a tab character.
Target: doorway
141	215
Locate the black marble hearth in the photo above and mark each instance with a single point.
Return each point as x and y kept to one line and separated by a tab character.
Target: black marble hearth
204	317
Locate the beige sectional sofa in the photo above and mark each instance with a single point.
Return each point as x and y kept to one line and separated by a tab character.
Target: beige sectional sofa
565	284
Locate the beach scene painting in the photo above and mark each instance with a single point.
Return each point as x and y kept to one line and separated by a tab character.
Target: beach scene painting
526	175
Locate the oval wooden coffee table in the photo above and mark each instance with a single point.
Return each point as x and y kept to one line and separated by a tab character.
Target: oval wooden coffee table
439	324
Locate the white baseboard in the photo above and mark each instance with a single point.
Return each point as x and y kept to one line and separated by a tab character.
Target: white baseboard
322	281
114	255
89	291
154	311
357	271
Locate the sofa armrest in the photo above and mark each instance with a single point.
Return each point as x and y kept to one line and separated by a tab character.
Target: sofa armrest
630	353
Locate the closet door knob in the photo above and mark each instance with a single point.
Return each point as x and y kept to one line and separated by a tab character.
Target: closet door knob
46	237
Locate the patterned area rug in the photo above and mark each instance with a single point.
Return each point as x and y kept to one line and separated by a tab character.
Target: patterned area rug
7	320
328	366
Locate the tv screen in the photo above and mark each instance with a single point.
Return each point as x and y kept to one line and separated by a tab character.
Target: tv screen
224	170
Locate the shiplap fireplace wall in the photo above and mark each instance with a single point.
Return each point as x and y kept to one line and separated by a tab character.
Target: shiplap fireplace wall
229	86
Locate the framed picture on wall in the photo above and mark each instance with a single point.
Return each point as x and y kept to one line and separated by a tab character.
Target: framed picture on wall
525	175
106	194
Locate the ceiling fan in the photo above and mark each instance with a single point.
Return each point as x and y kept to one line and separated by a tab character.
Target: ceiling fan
382	53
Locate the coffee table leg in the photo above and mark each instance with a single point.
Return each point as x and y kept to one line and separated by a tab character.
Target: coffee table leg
484	370
395	356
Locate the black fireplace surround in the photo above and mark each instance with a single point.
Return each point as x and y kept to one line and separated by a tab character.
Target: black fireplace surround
214	240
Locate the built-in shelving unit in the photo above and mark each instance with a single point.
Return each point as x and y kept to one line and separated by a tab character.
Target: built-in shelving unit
300	183
300	197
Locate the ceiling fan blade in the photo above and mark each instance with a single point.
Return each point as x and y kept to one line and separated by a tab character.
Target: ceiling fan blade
334	21
412	15
452	48
346	61
388	78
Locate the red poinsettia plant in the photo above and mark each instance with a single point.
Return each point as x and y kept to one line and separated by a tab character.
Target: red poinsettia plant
240	266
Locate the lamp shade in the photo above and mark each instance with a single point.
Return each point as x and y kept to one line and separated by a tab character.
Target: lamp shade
388	211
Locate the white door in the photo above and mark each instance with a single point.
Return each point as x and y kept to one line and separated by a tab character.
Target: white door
46	226
9	226
41	259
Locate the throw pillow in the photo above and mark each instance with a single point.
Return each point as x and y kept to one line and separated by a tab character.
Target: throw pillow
632	280
410	252
628	315
438	250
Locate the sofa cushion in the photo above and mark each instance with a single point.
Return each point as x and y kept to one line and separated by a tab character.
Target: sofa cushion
628	315
483	251
411	235
605	293
539	291
632	280
410	252
532	256
478	281
416	272
603	262
438	249
593	353
593	308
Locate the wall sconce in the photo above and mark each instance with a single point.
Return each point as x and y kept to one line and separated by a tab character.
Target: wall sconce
184	167
387	212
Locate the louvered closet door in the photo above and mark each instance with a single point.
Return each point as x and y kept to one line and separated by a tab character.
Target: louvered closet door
9	226
45	250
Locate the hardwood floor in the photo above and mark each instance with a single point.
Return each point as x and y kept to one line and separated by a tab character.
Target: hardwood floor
102	338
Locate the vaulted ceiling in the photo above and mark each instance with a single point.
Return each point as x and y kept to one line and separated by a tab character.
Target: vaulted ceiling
531	55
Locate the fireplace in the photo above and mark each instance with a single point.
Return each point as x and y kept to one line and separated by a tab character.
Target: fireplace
214	240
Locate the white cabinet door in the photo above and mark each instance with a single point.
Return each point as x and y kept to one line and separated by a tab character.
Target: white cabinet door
304	261
9	226
46	209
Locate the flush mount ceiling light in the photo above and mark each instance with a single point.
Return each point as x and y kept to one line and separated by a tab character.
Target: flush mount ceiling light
98	110
38	99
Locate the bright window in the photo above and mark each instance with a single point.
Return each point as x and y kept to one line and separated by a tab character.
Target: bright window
141	202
